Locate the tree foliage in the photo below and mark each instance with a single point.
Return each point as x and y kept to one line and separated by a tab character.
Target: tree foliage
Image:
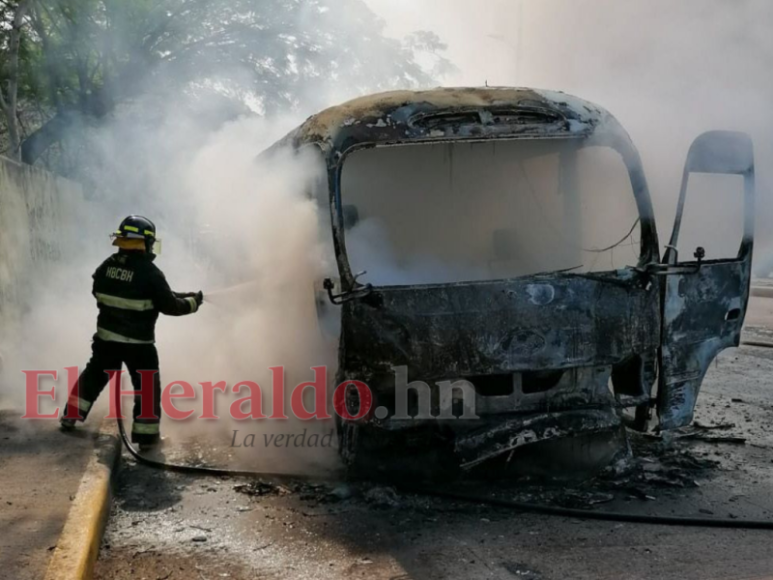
81	59
12	18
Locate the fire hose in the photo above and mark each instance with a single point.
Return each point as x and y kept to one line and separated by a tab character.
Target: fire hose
454	495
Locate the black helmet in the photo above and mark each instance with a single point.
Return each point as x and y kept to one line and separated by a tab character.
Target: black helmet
136	227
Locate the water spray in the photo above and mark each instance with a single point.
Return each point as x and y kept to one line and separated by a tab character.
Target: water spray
224	296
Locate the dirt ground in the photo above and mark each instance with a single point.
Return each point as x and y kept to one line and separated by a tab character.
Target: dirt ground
167	526
40	470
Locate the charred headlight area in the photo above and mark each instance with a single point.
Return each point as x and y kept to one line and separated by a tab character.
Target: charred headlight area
476	420
403	405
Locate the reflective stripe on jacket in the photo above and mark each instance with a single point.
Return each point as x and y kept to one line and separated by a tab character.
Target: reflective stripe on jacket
131	292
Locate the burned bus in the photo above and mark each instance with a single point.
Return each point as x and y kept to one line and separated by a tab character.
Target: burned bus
497	277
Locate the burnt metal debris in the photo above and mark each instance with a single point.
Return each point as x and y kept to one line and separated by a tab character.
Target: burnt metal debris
551	355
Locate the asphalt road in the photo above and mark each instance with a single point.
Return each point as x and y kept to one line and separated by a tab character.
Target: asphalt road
167	526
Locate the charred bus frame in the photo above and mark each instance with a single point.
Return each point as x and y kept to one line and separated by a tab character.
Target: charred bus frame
589	346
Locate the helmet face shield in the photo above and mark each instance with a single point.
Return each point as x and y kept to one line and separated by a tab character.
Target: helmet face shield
156	247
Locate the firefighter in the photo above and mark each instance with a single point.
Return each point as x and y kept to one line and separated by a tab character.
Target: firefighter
131	291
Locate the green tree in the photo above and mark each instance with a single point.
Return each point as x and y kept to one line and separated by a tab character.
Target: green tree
12	20
84	58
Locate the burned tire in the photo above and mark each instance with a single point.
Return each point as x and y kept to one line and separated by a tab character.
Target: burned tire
348	439
370	450
350	432
358	448
374	453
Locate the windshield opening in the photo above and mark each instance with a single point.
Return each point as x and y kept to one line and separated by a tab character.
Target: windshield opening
451	212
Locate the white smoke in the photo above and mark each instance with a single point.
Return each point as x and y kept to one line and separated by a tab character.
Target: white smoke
667	70
225	218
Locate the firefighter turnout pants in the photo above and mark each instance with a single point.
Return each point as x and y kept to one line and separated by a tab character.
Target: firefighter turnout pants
140	359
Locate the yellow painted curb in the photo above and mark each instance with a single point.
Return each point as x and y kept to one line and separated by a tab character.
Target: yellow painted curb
78	546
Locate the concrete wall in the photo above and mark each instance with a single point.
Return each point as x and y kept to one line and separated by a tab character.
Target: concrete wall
39	213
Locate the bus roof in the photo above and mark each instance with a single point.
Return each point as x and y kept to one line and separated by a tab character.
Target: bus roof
445	114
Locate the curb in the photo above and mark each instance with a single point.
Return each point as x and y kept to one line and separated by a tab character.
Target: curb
78	545
762	291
